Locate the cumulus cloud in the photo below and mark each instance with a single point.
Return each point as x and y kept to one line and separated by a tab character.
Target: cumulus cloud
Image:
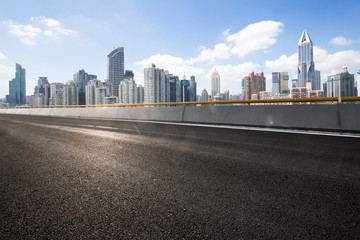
340	40
28	34
175	65
283	63
325	62
6	69
334	62
54	26
2	56
220	51
254	37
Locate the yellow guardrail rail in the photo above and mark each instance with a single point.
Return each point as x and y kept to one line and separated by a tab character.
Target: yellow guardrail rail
247	102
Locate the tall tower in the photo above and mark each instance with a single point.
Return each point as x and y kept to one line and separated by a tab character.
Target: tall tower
17	87
115	69
306	66
215	84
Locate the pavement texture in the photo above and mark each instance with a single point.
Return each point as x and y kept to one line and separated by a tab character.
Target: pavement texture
63	178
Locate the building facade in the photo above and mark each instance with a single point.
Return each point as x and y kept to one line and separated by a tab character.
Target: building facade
204	96
128	91
156	85
81	79
43	87
215	83
115	69
306	65
280	83
192	89
341	83
70	94
17	87
254	83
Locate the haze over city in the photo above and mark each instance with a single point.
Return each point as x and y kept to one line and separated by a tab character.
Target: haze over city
56	39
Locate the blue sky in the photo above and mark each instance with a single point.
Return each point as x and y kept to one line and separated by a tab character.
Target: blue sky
57	38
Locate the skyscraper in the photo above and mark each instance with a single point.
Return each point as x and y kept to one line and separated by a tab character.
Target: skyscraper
306	65
43	87
192	89
90	91
344	82
215	83
128	91
70	94
254	83
156	85
185	90
115	69
81	79
17	87
204	96
316	84
280	83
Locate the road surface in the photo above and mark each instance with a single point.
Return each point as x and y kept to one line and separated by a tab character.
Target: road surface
63	178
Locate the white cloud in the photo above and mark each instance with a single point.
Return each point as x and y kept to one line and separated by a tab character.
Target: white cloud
28	34
2	56
230	74
283	63
173	64
333	62
340	40
226	32
220	51
325	62
254	37
6	69
54	26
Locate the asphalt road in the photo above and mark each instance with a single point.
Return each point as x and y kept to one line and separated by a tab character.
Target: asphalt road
90	179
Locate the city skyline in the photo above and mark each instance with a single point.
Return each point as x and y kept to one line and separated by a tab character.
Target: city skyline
48	42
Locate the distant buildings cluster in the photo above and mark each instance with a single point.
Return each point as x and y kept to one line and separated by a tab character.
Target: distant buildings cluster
160	86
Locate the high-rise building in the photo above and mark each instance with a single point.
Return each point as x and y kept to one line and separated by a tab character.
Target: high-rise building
128	91
17	87
280	83
344	82
90	91
37	100
192	89
129	74
70	94
140	94
115	69
358	84
243	89
254	83
156	85
294	83
175	88
81	79
43	87
306	65
215	83
54	87
316	84
185	90
204	96
225	96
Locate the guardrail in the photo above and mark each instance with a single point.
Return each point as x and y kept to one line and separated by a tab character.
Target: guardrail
248	102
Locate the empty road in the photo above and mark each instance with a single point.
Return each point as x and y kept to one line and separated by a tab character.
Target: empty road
63	178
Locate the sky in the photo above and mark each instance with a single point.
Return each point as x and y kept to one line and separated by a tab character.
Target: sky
56	39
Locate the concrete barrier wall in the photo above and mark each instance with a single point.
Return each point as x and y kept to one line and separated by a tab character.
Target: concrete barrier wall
338	117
